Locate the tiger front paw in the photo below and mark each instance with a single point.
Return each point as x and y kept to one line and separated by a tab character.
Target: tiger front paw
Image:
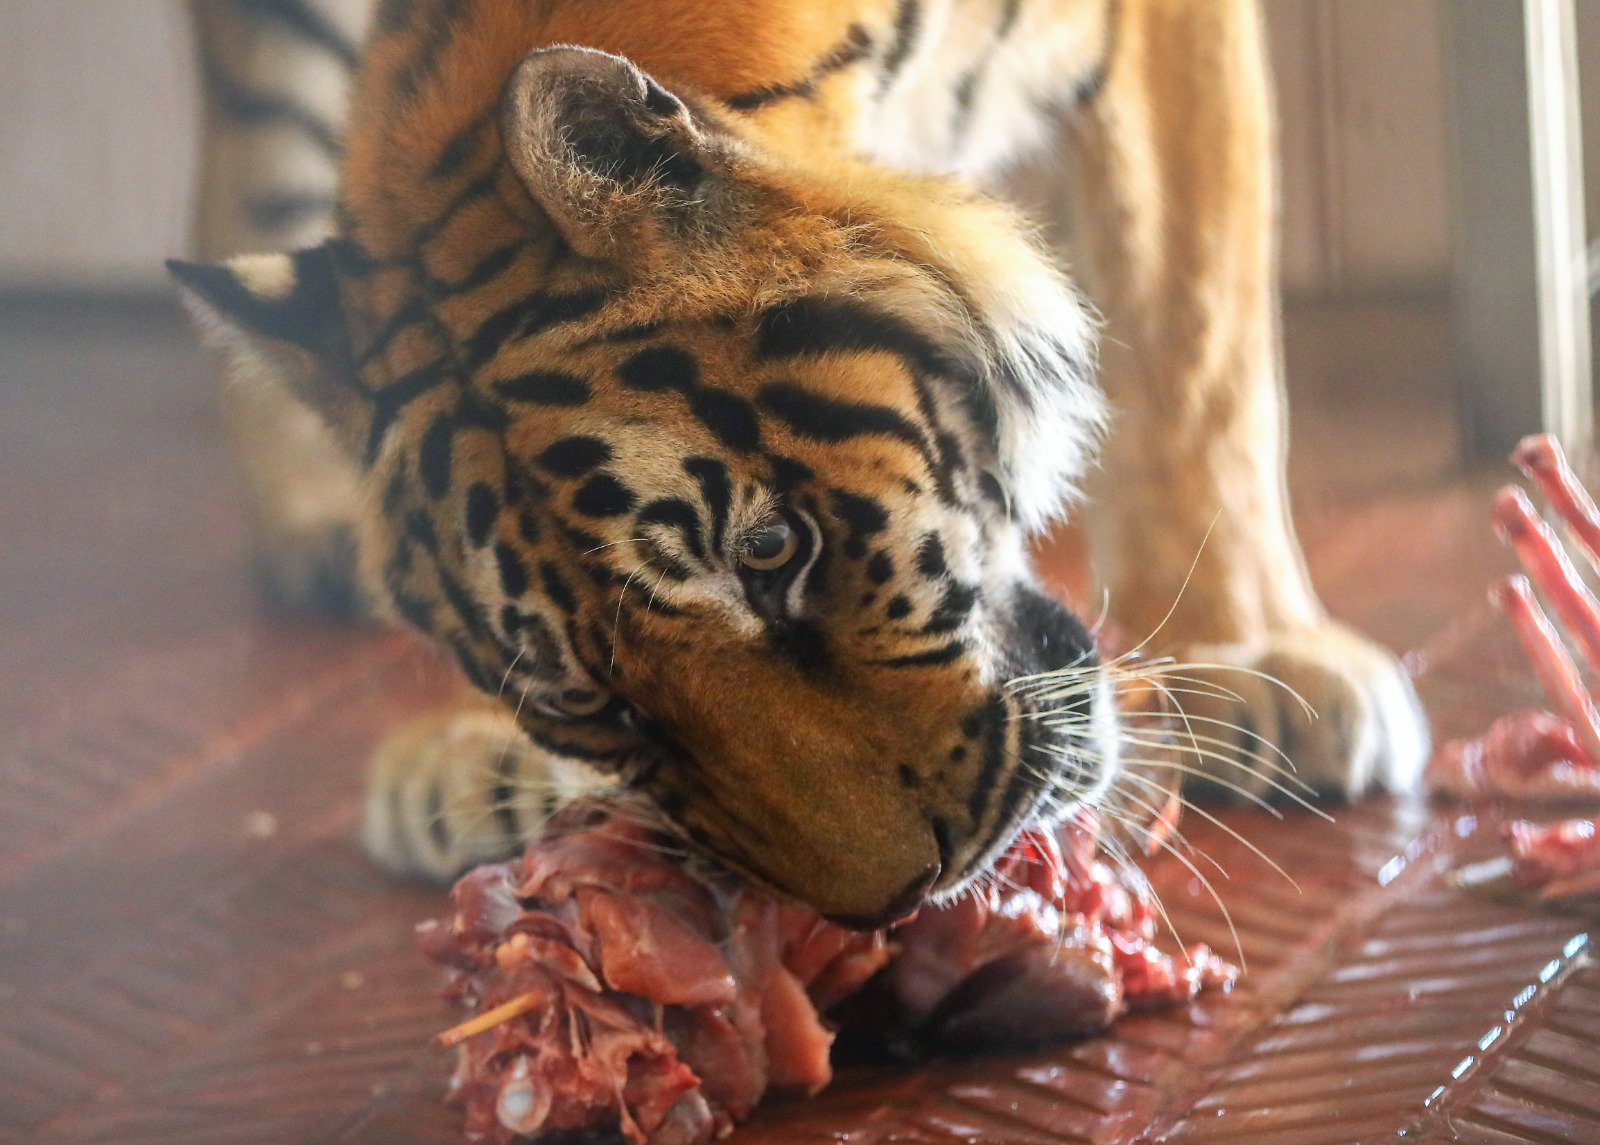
460	788
1317	710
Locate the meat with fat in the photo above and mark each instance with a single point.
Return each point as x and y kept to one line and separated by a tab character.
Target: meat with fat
617	988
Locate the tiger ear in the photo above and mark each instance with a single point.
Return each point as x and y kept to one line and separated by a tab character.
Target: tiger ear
612	157
279	320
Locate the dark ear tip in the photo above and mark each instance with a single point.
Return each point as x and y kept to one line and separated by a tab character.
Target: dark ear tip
187	273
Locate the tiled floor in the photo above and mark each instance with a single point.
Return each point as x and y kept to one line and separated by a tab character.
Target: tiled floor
193	950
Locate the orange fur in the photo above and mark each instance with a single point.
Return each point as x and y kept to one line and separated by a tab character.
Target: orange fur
484	171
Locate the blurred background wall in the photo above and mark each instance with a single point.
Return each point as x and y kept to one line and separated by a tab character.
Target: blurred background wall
98	119
99	127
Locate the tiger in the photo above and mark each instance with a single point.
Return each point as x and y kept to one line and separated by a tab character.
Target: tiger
689	373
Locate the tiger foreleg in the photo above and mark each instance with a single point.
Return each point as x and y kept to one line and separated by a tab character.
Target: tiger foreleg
1190	528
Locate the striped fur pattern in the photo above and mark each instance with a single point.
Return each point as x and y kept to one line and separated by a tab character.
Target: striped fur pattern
595	339
687	393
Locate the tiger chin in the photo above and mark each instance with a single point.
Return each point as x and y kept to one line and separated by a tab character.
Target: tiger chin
695	408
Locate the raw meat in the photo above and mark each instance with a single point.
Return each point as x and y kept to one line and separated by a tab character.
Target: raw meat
1537	755
617	988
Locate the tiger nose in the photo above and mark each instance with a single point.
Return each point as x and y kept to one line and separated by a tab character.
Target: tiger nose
903	904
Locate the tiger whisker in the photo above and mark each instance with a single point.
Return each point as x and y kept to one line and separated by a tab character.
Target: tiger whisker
616	624
1189	806
1130	870
1285	770
1222	907
1231	759
614	544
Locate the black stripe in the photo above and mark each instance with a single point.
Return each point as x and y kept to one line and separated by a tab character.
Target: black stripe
414	610
661	368
853	48
994	757
490	267
304	21
946	451
437	38
810	326
436	455
475	411
413	312
481	187
944	654
467	608
830	420
728	416
544	388
261	109
1022	787
717	489
1009	11
1091	85
907	22
863	516
965	94
310	316
676	513
557	589
477	675
483	508
390	401
504	795
419	527
513	573
955	605
459	148
574	456
527	317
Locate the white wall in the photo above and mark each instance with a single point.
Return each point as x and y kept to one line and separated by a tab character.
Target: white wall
97	130
1362	120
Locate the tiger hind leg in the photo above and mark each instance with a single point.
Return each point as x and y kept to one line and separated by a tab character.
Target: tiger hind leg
277	75
463	787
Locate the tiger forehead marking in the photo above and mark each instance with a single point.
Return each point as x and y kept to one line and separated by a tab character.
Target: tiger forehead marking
717	465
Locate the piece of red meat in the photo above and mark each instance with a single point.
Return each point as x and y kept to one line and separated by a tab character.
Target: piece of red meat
619	990
1559	860
1530	755
1537	754
1534	754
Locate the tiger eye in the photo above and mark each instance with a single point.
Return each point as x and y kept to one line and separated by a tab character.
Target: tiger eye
770	549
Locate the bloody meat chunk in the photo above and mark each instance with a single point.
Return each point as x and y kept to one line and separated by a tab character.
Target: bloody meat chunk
618	990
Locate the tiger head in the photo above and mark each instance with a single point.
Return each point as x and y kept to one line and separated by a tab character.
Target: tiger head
719	469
